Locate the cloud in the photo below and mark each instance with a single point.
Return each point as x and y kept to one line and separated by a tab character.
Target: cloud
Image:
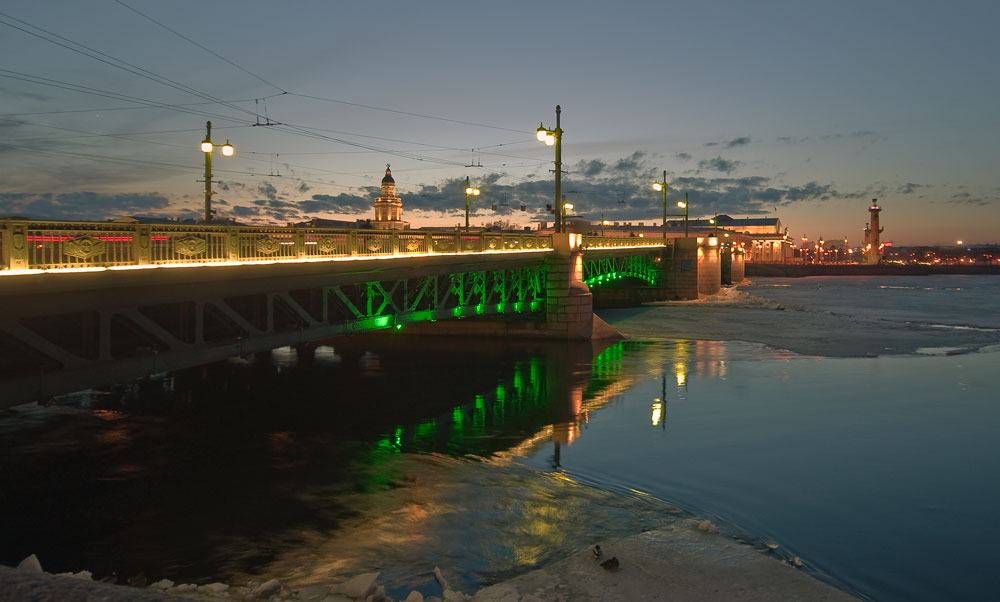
719	164
964	198
241	212
683	156
339	204
864	135
268	191
631	163
741	141
84	206
910	188
591	168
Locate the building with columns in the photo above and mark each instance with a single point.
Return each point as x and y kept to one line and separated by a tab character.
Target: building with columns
388	206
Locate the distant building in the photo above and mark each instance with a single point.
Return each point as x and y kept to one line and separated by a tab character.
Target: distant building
318	222
388	206
763	239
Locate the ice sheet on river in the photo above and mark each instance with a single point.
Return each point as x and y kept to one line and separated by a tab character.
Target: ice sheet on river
736	314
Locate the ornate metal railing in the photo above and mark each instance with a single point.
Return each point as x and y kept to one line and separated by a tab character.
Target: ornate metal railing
618	242
46	245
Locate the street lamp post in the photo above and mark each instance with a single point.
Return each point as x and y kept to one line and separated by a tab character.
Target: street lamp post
469	191
663	186
684	205
565	207
550	138
207	147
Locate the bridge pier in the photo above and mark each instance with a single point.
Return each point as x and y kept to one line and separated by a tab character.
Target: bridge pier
733	267
569	304
709	267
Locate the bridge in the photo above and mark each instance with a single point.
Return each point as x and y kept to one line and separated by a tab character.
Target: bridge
96	302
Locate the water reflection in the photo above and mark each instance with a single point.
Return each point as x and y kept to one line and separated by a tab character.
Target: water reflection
290	447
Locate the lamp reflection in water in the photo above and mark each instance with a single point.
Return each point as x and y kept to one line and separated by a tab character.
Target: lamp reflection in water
659	408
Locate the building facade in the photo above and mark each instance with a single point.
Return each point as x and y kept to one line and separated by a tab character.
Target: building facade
388	206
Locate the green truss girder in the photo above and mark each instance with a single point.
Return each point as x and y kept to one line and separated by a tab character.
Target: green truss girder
383	304
603	270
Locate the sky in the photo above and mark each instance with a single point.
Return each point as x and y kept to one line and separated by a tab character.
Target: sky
802	110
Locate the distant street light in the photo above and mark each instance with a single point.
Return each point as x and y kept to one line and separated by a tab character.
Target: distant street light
469	191
207	147
550	138
663	186
604	222
566	207
684	205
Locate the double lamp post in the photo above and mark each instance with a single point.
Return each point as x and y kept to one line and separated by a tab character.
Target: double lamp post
207	147
554	138
662	186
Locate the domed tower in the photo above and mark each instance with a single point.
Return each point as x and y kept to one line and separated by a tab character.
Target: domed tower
388	206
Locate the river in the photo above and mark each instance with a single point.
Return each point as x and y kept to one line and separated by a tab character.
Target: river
849	421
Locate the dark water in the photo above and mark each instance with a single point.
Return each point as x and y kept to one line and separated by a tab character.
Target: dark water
243	468
489	459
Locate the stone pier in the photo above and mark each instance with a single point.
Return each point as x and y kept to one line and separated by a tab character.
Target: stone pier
569	304
709	267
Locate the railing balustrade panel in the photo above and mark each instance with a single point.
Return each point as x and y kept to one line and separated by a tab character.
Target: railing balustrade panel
49	245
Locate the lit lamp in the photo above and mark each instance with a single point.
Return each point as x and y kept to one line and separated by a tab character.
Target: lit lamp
684	205
207	147
469	191
604	222
662	186
554	138
566	207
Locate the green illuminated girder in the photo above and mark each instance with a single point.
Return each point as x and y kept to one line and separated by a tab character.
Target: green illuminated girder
384	304
602	270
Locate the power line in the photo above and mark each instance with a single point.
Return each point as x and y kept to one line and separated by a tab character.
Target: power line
109	109
356	104
129	67
180	35
44	81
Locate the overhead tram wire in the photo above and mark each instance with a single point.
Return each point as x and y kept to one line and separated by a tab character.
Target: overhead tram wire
116	135
356	104
109	109
284	92
44	81
182	87
136	70
129	67
215	54
249	175
117	160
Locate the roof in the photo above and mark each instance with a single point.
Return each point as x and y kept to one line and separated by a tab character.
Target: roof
388	176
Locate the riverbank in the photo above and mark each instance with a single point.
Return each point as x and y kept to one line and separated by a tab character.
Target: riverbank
790	270
685	561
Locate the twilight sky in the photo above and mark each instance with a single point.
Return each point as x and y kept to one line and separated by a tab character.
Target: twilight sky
799	109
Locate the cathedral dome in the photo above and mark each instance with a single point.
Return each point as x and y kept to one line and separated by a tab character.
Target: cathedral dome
388	176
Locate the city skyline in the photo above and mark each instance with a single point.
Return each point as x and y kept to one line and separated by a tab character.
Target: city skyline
777	109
